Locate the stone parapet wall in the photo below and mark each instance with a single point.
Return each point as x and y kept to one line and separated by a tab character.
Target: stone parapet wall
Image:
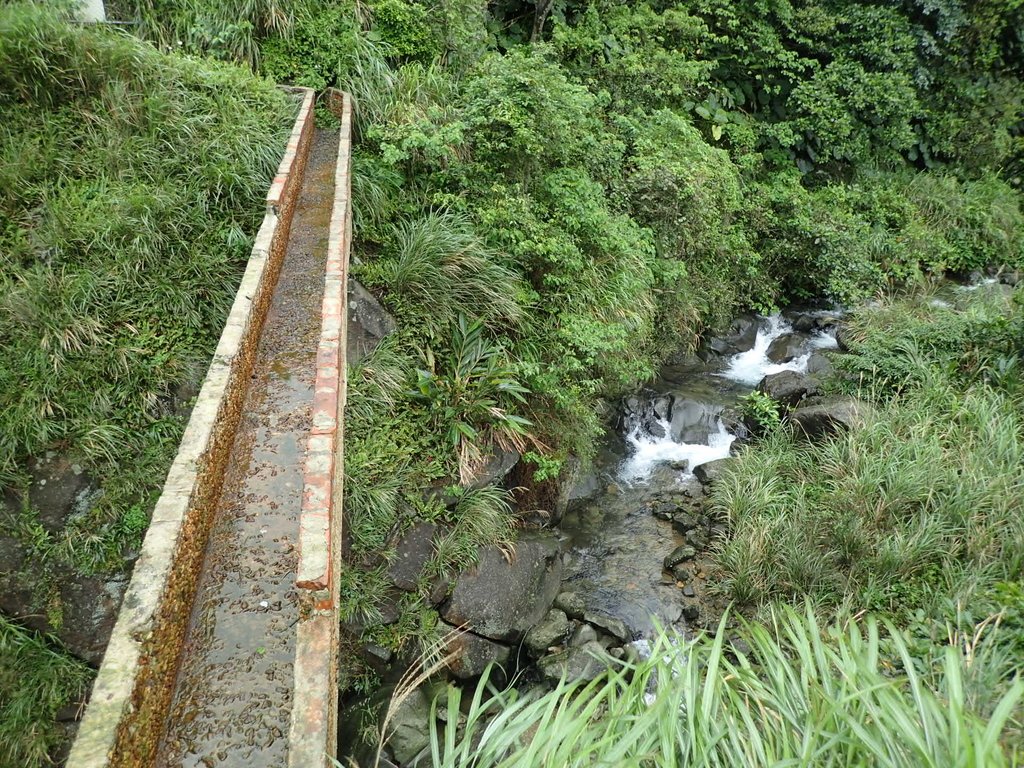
313	734
125	716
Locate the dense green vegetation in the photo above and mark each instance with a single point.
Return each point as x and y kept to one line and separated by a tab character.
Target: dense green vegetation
915	514
799	694
551	198
130	189
599	198
36	682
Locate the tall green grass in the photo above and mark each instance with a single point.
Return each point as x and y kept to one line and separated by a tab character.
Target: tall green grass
919	506
927	493
37	680
131	186
226	29
802	695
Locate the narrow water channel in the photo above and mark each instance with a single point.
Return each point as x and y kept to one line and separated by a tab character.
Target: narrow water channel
232	699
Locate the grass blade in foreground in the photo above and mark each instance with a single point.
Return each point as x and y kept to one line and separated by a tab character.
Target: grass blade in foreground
801	697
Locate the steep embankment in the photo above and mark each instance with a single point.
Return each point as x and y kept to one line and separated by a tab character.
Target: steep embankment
131	185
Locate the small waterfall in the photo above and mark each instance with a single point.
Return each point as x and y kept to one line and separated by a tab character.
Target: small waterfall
693	431
649	451
753	365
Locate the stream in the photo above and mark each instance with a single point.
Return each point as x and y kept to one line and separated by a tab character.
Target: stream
614	540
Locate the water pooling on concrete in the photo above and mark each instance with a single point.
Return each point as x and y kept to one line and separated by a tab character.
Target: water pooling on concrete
231	705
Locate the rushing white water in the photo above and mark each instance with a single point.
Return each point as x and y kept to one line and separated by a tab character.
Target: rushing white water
975	286
649	451
822	340
746	368
753	365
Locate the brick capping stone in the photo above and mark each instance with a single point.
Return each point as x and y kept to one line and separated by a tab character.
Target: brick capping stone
131	694
313	734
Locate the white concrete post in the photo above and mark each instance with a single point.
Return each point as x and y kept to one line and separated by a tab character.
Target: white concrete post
91	10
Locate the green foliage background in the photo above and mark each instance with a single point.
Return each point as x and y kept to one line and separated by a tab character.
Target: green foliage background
548	219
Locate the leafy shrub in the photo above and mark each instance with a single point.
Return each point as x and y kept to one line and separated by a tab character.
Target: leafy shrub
645	58
760	412
470	394
322	45
405	28
525	118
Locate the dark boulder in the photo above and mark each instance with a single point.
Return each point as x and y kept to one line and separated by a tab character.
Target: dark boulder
55	598
571	604
502	597
843	338
87	606
577	663
368	322
829	416
473	654
408	734
739	337
553	629
818	364
787	347
787	387
710	472
495	469
804	322
678	555
613	626
412	552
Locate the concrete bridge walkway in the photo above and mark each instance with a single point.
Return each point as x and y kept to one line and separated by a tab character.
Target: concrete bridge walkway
232	699
225	649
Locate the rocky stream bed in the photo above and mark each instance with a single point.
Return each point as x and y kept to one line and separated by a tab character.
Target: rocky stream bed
627	547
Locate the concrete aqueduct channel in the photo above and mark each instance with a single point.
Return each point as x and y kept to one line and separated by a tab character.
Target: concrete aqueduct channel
225	649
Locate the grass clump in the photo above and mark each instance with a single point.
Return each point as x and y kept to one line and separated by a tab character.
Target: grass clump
130	190
37	680
917	508
803	694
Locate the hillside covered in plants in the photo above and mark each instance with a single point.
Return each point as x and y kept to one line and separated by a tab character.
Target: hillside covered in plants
131	186
552	200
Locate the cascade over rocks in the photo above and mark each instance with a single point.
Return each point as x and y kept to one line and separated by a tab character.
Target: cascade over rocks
502	598
575	631
740	337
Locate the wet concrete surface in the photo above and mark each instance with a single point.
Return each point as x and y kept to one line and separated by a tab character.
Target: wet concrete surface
232	701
